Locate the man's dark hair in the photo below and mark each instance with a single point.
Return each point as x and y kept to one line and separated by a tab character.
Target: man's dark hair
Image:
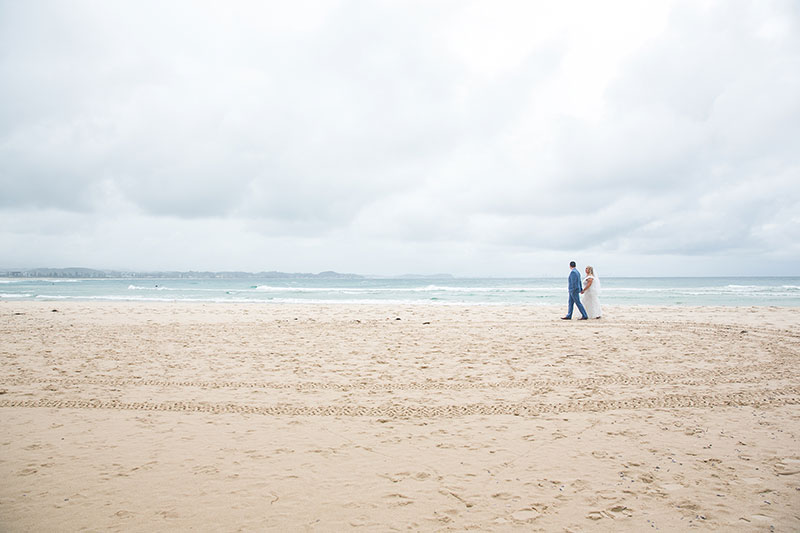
572	264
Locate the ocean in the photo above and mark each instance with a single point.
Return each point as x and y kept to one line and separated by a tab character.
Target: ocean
717	291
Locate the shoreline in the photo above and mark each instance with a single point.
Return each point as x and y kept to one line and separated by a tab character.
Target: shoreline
131	416
367	303
771	315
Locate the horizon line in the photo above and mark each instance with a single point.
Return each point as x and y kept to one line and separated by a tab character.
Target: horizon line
123	274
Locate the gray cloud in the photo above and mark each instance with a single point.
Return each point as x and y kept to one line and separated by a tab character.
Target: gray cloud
445	129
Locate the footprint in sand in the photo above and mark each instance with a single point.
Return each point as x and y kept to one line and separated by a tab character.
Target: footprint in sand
528	514
787	467
361	521
613	513
399	500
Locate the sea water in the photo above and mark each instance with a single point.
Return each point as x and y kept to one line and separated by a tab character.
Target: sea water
730	291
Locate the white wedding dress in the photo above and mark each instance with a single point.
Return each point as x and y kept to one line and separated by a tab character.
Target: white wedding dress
591	298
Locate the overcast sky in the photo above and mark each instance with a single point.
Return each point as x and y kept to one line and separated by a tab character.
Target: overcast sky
475	138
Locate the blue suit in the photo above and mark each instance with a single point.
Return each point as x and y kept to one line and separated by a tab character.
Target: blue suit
575	293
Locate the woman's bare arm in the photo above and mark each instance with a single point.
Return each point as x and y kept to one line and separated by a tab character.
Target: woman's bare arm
588	284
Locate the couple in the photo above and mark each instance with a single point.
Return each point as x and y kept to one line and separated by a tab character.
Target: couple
591	290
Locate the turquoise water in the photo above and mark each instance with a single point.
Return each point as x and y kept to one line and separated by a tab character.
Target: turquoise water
731	291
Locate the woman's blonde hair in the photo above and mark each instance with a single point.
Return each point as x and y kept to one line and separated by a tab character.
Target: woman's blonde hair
590	270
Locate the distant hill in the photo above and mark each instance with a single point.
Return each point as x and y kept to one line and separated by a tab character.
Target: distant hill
426	276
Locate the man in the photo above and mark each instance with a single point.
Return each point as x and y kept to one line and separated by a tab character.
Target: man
574	293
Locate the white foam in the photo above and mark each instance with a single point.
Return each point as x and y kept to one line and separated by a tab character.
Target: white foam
276	301
15	295
635	289
185	289
154	288
440	288
429	288
319	301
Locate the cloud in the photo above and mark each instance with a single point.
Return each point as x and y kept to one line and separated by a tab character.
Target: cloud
449	132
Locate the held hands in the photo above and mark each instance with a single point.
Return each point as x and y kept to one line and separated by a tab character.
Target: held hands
584	290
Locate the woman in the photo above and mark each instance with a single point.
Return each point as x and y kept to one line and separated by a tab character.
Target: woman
591	291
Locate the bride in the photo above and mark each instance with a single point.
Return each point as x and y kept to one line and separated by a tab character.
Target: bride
591	291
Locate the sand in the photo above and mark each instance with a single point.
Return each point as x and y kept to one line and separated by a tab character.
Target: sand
164	417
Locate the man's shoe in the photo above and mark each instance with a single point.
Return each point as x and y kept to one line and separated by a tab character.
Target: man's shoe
583	318
566	318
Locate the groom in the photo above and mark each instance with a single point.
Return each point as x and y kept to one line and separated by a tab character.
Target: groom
574	293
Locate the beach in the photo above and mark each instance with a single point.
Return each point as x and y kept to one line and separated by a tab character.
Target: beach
130	416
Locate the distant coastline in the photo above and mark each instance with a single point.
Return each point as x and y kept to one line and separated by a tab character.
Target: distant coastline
90	273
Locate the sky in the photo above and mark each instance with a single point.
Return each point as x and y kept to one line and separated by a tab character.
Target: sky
489	138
